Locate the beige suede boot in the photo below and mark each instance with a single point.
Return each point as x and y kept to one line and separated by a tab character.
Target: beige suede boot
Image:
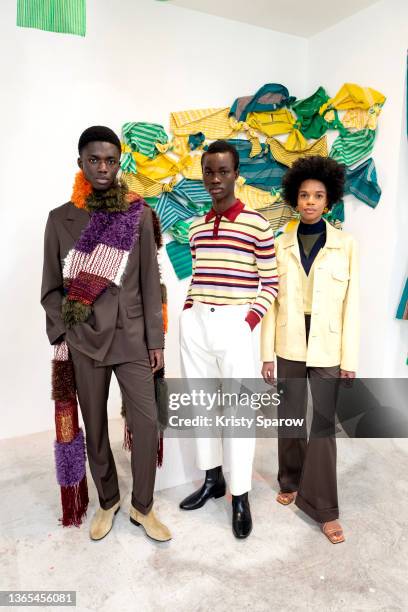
102	521
151	524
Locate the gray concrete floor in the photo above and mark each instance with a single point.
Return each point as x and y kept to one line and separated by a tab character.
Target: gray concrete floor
286	563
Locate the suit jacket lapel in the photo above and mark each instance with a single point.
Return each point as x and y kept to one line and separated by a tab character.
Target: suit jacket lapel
76	221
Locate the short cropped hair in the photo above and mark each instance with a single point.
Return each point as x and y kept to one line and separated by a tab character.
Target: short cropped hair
98	133
323	169
222	146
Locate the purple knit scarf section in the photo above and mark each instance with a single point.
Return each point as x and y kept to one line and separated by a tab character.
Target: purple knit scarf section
70	461
114	229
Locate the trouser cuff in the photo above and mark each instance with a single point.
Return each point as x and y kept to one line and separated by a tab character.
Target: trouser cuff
107	504
321	516
141	507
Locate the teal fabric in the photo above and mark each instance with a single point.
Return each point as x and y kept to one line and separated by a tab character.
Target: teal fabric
270	97
187	199
336	213
180	230
196	140
180	257
402	312
261	171
350	147
362	183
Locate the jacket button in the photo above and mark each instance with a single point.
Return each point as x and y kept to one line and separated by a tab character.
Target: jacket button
114	290
212	309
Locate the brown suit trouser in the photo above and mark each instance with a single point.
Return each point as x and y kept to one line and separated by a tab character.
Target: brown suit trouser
136	384
309	467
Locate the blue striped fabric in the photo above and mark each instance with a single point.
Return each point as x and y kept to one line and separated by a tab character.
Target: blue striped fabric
261	171
187	199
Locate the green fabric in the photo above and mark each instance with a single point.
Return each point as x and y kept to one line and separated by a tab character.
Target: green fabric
362	183
64	16
310	123
180	257
142	138
196	140
336	213
261	171
270	97
350	147
402	312
180	230
152	201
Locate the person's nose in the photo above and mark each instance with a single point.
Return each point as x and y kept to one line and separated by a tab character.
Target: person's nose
216	179
103	167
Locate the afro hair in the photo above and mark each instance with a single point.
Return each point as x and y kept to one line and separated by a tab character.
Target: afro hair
323	169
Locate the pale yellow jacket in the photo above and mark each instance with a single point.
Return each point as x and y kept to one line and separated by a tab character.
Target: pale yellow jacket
334	327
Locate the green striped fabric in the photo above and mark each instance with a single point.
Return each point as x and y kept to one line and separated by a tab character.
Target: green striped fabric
350	147
180	257
142	138
64	16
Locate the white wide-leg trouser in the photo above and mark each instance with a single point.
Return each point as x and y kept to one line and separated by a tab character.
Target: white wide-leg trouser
216	343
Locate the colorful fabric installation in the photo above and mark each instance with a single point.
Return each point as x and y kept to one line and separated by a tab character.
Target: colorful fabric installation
270	97
153	163
362	183
350	147
63	16
187	199
180	257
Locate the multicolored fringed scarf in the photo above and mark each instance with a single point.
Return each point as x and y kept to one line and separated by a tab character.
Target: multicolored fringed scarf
97	260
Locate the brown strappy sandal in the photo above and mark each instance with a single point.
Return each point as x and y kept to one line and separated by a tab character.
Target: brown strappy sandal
335	535
286	498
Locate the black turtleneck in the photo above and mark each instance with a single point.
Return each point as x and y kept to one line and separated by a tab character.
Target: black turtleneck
311	238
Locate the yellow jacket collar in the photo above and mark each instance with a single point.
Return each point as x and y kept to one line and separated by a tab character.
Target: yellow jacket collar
289	238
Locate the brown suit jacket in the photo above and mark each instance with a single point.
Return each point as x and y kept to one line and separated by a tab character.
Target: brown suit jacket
126	320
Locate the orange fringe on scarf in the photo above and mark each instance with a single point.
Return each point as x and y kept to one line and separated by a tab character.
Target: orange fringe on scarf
81	190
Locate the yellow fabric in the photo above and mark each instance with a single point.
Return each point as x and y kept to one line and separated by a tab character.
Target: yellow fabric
307	289
145	186
252	196
193	171
296	142
273	123
288	157
160	167
178	145
351	95
334	329
213	122
359	118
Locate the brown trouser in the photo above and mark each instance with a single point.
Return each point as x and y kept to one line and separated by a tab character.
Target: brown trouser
309	467
136	384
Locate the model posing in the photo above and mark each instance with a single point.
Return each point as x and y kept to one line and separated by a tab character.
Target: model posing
234	283
313	329
101	294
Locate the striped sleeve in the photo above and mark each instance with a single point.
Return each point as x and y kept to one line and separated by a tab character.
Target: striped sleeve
267	271
189	300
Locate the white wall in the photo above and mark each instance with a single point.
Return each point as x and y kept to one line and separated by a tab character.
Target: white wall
137	63
370	49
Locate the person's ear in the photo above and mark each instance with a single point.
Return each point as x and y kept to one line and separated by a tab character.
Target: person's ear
236	173
79	162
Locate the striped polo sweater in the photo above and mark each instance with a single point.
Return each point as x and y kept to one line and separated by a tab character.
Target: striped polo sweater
233	261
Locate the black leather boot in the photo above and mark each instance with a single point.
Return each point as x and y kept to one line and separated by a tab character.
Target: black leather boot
214	486
241	516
